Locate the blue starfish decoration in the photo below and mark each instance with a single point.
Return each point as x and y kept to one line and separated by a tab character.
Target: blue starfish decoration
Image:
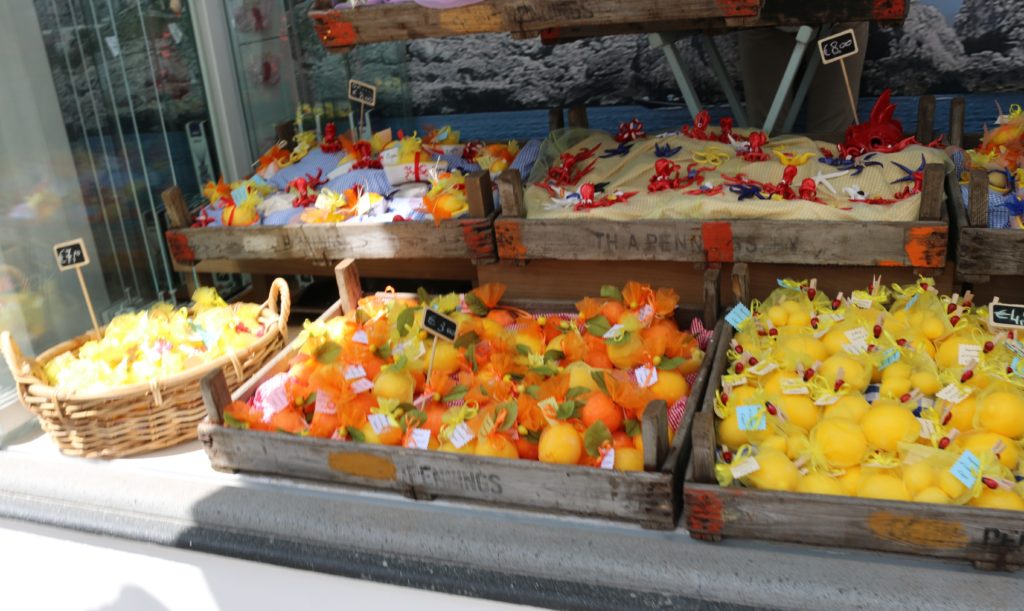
666	151
620	151
746	191
838	162
866	162
909	174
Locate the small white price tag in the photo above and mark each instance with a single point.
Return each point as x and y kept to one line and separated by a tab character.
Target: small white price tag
379	423
856	348
927	428
354	372
461	435
794	387
763	368
745	468
954	393
858	335
608	460
419	439
360	337
324	405
826	400
361	385
646	376
614	332
967	354
732	381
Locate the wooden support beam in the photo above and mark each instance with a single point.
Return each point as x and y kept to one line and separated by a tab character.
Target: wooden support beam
216	396
925	118
176	207
578	116
556	118
712	277
956	121
977	202
741	282
510	192
932	188
349	288
479	195
654	430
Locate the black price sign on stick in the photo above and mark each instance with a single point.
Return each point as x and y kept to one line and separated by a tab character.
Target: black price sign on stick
73	255
1006	315
836	48
439	325
361	92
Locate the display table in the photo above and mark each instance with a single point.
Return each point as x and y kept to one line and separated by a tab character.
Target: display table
173	498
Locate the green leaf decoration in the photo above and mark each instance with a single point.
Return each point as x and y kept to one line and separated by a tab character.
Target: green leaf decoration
576	391
456	393
533	436
414	418
523	349
566	410
355	434
533	390
328	353
544	370
310	400
234	423
423	295
598	377
466	340
361	316
554	355
511	413
406	320
487	424
610	291
670	364
446	304
475	305
596	436
384	351
471	357
399	364
598	326
632	427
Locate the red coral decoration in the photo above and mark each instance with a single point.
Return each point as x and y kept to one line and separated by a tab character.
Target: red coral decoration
565	172
755	141
698	130
630	131
330	143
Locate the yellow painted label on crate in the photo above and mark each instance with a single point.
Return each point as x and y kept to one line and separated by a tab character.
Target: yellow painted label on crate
362	465
922	532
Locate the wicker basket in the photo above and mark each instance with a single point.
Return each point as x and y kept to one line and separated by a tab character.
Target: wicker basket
142	417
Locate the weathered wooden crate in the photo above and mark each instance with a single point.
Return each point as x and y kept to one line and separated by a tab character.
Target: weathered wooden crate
991	539
919	244
465	238
652	498
982	252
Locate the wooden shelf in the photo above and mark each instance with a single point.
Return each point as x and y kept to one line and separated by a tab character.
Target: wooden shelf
564	20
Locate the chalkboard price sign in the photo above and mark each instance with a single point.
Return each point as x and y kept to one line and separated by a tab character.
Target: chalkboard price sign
361	92
71	255
1006	315
838	46
439	325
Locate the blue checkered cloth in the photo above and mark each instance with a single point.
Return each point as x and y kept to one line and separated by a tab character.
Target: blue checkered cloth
999	204
313	161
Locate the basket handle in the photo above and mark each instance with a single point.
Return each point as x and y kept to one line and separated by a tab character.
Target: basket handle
279	291
24	370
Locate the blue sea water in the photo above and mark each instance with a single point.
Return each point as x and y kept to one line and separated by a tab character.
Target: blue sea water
523	124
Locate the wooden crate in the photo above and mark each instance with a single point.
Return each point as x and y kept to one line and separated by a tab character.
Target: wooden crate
469	238
982	253
918	244
991	539
652	498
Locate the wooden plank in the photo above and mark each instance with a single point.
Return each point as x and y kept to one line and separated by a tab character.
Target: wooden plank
479	195
416	269
643	497
510	193
932	188
991	252
578	116
986	536
216	396
741	282
379	23
177	209
956	121
925	118
919	244
977	198
712	278
349	289
654	431
832	279
556	118
333	242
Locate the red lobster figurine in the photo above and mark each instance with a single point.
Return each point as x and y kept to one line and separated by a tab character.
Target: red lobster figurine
307	187
633	130
330	143
880	134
